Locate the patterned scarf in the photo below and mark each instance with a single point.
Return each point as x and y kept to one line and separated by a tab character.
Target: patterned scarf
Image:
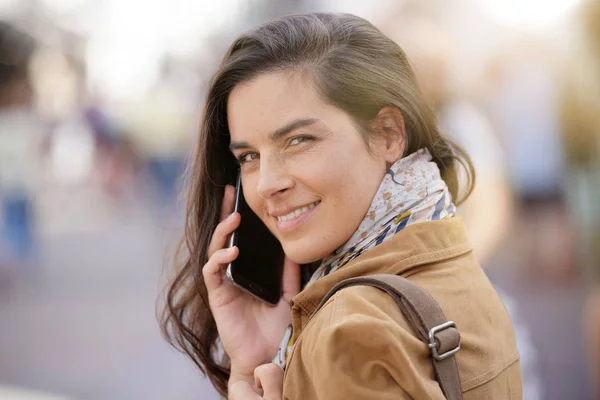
412	191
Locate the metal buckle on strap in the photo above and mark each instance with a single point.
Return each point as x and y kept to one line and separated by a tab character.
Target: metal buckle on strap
434	346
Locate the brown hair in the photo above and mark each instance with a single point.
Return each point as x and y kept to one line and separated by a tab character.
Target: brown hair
354	67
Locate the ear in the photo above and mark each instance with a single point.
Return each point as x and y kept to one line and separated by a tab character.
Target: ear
389	134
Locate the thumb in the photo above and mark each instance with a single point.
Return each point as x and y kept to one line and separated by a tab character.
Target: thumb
269	378
291	279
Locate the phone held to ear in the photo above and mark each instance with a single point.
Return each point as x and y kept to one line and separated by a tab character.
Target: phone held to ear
259	267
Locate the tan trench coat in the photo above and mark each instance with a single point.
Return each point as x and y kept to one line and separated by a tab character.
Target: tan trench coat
360	346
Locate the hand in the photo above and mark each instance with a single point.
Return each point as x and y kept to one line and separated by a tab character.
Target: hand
268	379
250	330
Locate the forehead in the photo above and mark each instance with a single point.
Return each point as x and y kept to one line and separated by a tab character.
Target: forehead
270	101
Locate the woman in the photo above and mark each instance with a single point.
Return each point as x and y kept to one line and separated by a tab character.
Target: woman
322	111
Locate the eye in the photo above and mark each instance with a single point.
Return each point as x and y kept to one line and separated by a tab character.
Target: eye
295	141
247	157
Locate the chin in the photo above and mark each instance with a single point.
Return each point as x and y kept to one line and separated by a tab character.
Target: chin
302	258
305	253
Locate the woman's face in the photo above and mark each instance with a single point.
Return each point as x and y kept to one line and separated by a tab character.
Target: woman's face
306	169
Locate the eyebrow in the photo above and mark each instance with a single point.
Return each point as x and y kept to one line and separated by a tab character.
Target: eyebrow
279	133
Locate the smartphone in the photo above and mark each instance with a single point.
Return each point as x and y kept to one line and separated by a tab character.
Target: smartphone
258	268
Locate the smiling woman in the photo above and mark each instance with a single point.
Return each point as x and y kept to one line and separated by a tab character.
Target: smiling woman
344	163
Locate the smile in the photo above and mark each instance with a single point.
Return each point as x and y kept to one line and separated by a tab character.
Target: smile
298	212
290	220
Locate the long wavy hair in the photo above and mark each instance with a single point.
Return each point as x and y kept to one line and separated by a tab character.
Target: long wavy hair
355	68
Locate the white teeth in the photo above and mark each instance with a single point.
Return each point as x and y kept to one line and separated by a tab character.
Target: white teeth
297	213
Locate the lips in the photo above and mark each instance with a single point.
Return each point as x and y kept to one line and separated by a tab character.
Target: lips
295	217
297	212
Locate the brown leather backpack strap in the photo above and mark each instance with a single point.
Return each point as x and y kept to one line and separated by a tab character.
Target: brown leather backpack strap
426	318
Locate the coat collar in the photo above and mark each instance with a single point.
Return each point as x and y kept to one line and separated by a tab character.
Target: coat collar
416	245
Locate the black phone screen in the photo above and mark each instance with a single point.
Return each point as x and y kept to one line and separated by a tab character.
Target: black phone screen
259	266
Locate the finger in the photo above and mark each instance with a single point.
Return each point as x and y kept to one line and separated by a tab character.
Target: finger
269	378
242	391
228	202
291	279
212	270
222	232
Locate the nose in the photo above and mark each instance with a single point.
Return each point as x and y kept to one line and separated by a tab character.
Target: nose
274	178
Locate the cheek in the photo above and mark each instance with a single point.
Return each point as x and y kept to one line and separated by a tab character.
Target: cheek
343	174
328	167
351	193
329	180
254	201
347	187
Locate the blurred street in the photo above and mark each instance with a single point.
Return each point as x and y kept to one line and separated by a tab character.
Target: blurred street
554	316
91	333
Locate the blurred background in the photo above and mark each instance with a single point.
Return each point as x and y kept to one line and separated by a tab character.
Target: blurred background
99	108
